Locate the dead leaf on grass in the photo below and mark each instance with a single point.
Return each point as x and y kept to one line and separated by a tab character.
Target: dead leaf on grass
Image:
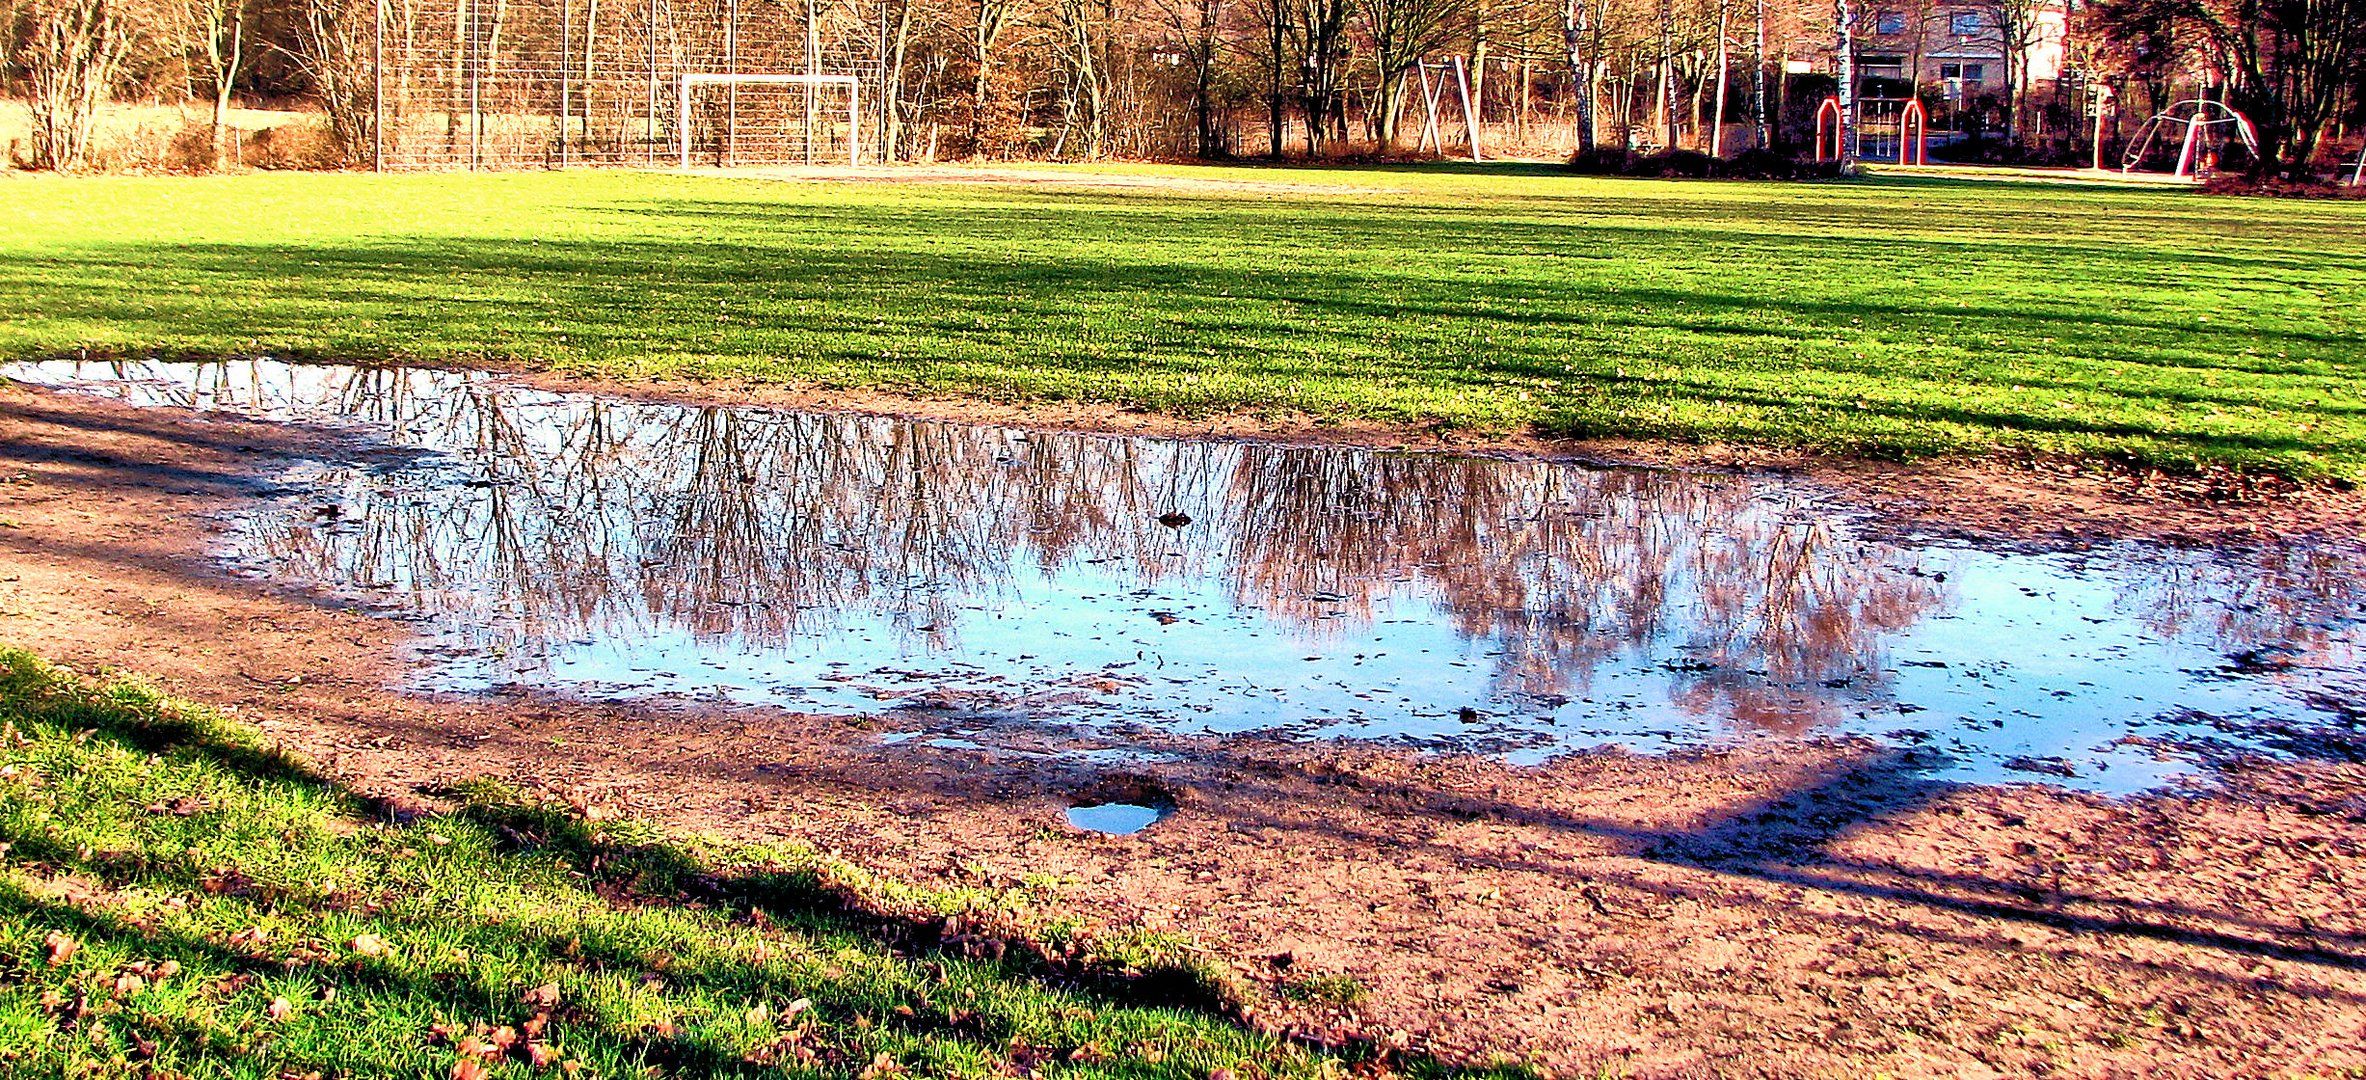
369	945
62	947
279	1009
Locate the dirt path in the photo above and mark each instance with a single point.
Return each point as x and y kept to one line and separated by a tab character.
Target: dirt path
1806	910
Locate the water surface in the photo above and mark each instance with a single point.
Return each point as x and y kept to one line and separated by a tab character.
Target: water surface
846	564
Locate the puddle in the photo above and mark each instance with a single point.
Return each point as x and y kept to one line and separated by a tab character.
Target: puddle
1121	805
1116	819
842	564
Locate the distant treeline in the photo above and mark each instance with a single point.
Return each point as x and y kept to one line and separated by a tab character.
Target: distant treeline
452	82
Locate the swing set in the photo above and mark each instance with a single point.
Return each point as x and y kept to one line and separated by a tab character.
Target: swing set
1901	135
1433	93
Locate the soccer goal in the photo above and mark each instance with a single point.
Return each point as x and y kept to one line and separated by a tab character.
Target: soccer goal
777	118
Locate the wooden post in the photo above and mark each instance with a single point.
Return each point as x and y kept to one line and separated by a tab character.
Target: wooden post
2101	106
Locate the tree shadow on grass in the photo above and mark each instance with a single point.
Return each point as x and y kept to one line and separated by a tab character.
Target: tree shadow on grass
805	902
1142	332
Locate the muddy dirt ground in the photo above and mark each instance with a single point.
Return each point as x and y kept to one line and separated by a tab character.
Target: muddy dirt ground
1813	909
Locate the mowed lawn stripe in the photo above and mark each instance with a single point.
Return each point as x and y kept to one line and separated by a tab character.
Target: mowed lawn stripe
1895	317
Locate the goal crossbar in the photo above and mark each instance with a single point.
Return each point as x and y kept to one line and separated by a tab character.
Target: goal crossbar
852	84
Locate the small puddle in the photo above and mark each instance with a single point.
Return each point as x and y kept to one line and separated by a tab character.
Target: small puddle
1121	805
1116	819
843	564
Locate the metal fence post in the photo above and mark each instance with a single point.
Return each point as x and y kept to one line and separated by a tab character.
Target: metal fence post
378	88
731	63
652	82
566	72
476	110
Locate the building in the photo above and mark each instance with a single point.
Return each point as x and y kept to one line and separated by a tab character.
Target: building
1957	52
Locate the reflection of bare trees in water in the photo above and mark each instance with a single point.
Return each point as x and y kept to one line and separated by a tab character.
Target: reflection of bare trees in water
750	527
2296	601
568	517
1562	569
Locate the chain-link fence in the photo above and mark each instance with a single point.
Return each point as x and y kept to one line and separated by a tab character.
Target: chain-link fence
549	83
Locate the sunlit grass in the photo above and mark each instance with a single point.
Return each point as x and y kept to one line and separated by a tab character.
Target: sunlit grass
1895	317
177	901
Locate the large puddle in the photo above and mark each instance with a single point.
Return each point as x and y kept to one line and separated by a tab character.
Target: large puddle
848	564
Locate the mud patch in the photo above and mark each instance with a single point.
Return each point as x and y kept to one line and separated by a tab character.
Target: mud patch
1804	907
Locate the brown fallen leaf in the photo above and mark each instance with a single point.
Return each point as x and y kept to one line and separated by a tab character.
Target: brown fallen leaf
468	1068
369	945
541	1055
279	1008
62	947
545	996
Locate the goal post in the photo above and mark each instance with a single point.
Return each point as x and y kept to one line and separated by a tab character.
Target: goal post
852	84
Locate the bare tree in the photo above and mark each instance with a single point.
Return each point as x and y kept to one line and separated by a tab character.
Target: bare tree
990	19
213	34
1273	60
1580	37
1319	33
1402	33
2017	30
75	50
335	42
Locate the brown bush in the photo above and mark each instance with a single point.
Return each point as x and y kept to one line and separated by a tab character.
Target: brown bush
292	146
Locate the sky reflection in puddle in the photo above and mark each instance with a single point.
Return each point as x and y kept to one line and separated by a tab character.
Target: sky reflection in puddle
852	564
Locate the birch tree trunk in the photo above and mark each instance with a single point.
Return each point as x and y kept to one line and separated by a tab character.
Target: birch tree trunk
1575	20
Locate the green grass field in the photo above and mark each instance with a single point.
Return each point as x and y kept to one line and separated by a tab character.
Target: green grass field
1896	317
176	901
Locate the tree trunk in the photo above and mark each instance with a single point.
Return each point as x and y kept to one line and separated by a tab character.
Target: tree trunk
1844	46
1663	109
1575	23
1758	84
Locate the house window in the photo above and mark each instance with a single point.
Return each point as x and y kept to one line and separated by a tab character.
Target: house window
1966	23
1971	73
1889	22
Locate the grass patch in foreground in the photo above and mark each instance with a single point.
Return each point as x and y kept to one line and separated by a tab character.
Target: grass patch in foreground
177	901
1895	317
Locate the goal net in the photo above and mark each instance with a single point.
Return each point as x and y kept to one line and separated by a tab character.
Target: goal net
733	120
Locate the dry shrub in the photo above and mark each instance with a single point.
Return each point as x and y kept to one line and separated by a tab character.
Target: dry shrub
2281	188
297	145
192	150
